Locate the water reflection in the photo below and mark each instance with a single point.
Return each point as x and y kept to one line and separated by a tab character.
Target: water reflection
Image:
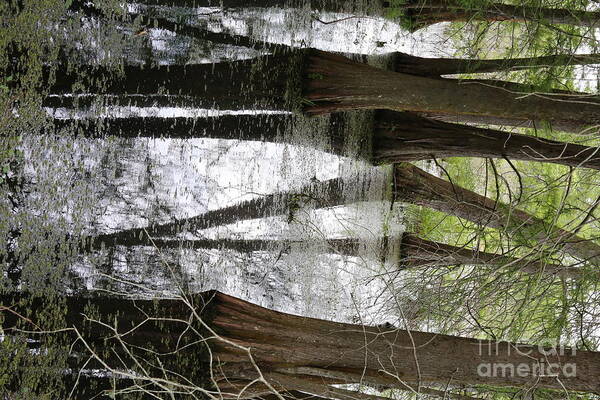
119	162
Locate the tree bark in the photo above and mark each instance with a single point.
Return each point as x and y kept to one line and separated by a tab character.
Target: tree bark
421	13
404	63
335	83
412	185
439	357
416	252
408	137
435	67
299	353
271	127
416	186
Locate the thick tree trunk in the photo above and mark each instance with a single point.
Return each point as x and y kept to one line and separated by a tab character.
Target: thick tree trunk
299	353
408	137
416	186
434	67
421	13
337	355
336	83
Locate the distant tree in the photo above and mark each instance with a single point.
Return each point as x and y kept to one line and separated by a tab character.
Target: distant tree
347	247
319	195
417	14
402	62
326	5
416	252
155	21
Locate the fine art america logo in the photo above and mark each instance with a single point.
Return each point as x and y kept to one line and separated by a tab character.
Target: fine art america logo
543	360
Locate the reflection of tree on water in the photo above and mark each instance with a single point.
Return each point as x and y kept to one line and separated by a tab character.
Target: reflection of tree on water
97	98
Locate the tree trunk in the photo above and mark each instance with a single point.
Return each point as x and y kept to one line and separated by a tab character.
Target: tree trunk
435	67
416	252
411	185
416	186
404	63
299	353
333	83
421	13
205	34
336	83
288	343
408	137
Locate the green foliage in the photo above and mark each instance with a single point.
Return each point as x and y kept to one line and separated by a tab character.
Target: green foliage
502	302
29	373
